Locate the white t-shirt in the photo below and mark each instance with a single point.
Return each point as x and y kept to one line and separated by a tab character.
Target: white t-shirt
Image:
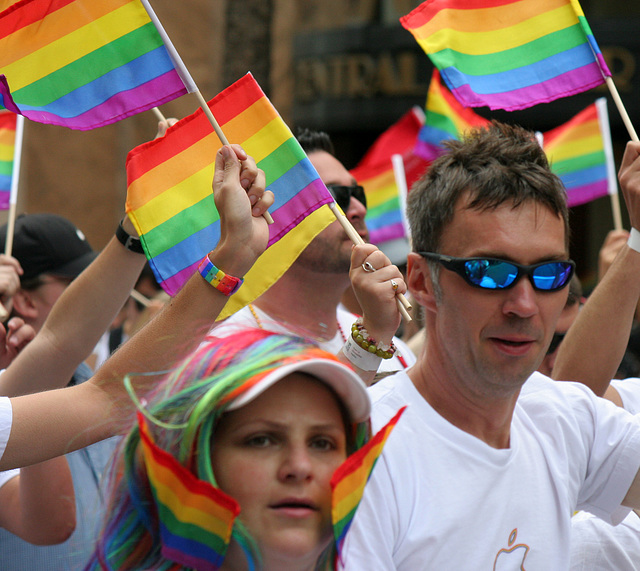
6	418
629	391
403	359
595	544
443	499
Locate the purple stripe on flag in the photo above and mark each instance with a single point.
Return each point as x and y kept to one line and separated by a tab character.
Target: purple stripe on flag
386	233
298	207
587	193
5	96
173	284
427	151
188	560
570	83
137	100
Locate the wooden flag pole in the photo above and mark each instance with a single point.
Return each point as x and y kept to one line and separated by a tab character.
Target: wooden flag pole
403	303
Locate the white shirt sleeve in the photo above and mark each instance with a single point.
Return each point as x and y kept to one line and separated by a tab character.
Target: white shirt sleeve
6	418
629	391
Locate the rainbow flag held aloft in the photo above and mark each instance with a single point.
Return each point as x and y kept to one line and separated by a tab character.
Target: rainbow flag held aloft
349	480
509	54
83	64
170	202
195	517
7	151
445	118
581	154
376	174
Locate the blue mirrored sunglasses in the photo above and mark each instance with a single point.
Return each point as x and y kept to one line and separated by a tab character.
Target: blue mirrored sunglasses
493	273
343	194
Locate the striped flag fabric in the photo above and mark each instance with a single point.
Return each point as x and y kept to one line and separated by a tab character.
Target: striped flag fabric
376	174
580	153
445	118
195	517
83	64
509	54
7	152
349	480
170	202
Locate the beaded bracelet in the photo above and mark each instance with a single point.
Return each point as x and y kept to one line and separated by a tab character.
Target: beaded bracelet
361	337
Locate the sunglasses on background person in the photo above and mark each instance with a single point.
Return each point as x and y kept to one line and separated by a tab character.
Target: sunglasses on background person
342	195
493	273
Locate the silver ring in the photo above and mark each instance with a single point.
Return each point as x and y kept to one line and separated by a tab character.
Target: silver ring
367	267
394	285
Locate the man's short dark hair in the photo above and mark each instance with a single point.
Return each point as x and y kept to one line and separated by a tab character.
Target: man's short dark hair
494	165
312	141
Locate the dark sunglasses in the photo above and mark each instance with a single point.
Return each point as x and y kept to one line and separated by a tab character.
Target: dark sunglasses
343	194
493	273
555	342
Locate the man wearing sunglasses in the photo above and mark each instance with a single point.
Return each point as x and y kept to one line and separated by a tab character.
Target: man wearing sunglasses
307	298
476	476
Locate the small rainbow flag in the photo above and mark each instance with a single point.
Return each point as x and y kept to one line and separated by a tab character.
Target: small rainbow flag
7	152
170	202
445	118
580	153
376	174
195	517
349	480
83	64
509	54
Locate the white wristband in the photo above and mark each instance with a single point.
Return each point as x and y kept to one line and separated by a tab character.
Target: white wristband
634	240
360	357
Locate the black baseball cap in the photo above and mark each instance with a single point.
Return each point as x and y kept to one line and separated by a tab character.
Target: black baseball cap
48	244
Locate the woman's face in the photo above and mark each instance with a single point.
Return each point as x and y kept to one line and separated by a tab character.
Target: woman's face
276	456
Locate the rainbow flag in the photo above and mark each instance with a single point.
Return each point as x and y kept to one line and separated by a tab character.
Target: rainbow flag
83	64
509	54
195	517
170	202
7	151
348	481
376	174
445	118
581	154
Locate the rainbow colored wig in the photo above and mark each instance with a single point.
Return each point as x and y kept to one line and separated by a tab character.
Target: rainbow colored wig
153	522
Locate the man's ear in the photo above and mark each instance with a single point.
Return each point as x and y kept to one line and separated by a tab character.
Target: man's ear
23	305
419	281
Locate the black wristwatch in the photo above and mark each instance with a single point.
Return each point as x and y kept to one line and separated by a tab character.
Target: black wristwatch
128	241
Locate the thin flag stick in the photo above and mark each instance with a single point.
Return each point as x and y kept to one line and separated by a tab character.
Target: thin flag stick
612	180
15	177
401	182
403	303
13	196
158	114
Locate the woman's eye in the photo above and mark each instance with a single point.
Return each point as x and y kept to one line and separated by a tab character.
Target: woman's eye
259	441
322	443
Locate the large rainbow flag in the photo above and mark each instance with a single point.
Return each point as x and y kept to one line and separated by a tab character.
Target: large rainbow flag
83	64
376	174
581	154
509	54
349	480
7	152
195	517
170	202
445	118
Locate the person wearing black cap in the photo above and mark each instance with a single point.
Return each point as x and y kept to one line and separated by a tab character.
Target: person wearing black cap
52	252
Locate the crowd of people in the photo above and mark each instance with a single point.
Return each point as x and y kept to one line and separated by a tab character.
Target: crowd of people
204	445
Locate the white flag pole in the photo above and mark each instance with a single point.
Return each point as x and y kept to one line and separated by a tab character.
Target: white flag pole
612	179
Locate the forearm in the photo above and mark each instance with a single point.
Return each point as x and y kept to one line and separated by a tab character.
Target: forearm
39	505
76	322
593	348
